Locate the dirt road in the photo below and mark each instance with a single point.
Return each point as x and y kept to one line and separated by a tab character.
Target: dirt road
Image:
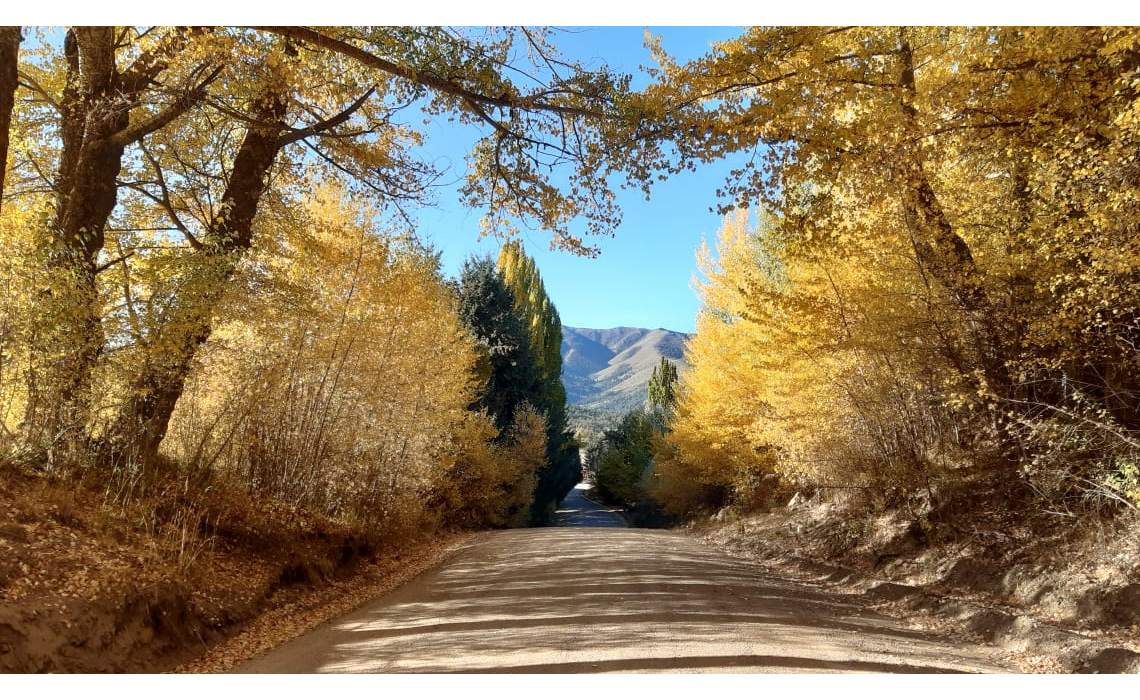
589	600
578	511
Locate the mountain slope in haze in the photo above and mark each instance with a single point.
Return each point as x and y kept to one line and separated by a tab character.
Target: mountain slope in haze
609	369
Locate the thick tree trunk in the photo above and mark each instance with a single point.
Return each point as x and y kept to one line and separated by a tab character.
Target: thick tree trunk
942	252
10	38
143	422
95	129
92	112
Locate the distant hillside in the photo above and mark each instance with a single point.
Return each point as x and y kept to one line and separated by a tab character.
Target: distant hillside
608	369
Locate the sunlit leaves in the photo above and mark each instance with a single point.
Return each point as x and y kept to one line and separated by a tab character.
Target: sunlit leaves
343	381
951	251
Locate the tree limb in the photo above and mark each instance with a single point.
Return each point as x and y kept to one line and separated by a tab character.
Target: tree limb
180	106
444	85
331	122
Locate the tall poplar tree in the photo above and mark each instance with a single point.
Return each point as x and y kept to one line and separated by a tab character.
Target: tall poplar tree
662	387
538	314
533	306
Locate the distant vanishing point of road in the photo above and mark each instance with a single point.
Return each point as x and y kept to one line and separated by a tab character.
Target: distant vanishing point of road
578	511
593	596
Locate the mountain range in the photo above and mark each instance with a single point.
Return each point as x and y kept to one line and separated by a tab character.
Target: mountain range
608	369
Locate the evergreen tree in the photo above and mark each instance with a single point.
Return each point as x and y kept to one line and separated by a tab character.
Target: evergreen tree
486	307
663	386
623	458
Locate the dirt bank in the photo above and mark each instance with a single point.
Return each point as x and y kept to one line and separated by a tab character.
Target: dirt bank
89	587
1057	596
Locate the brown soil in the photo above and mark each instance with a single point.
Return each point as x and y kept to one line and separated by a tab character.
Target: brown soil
1057	595
90	587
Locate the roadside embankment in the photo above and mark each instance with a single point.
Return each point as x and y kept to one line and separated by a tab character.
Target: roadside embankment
89	586
1057	597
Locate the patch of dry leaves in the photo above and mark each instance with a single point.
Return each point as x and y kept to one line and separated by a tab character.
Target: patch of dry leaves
65	554
60	550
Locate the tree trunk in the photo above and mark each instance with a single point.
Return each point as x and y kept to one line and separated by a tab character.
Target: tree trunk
92	112
143	422
10	38
941	251
95	129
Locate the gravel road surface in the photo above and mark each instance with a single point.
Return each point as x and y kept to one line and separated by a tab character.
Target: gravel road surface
602	599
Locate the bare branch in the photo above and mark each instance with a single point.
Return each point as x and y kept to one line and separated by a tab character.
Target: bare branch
107	265
150	64
180	106
30	83
165	202
329	123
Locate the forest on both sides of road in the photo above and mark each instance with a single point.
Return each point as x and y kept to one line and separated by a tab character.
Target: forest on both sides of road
920	317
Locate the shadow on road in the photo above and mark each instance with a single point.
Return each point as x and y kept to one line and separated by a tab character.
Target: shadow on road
569	600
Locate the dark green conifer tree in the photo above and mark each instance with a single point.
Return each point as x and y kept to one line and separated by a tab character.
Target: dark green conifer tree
486	306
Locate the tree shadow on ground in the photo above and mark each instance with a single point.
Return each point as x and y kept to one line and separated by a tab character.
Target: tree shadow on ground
570	600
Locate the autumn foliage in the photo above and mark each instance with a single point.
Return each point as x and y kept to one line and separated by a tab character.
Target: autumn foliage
933	275
343	384
928	275
211	276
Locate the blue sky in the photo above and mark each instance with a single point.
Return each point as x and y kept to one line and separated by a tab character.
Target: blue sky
643	275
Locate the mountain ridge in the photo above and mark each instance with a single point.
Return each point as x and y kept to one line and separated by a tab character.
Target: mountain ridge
608	369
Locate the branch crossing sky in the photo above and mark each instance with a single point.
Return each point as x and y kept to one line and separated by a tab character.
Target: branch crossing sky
642	277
